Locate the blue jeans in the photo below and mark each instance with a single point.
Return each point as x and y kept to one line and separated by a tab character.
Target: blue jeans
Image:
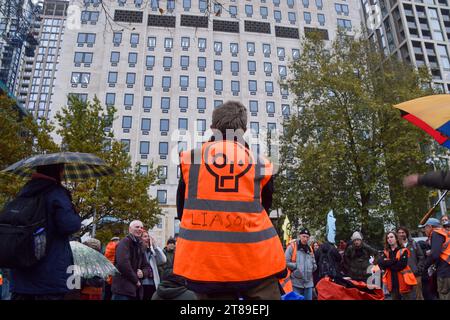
305	292
4	290
120	297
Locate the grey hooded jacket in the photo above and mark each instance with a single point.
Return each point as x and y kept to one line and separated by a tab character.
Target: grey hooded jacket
302	269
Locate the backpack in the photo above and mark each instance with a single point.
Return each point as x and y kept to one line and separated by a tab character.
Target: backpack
23	231
326	265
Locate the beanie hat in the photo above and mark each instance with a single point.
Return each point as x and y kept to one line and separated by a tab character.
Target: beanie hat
356	236
304	231
171	240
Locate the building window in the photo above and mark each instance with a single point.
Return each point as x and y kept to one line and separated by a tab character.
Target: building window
80	78
276	3
167	62
319	4
285	110
202	5
281	53
163	148
254	128
115	57
307	17
148	81
341	9
233	11
277	15
151	43
134	39
248	10
146	124
126	122
235	87
110	99
128	99
217	103
131	78
321	19
218	47
306	3
117	38
264	12
218	85
185	42
132	58
182	146
443	54
344	24
187	5
168	43
251	66
201	103
125	144
201	82
183	124
269	87
282	71
170	5
270	107
144	147
184	81
164	125
292	17
162	194
147	103
143	169
166	83
266	50
252	85
253	106
201	62
183	102
162	172
218	66
86	38
89	16
251	48
295	54
83	57
184	61
268	67
201	125
234	49
165	103
234	65
202	44
150	61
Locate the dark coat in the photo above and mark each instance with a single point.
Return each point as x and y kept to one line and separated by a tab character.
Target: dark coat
391	262
130	257
167	267
356	261
50	275
329	252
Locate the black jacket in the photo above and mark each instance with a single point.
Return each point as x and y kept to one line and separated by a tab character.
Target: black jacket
435	179
442	267
394	265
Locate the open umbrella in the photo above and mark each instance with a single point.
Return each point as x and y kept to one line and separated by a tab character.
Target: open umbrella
77	165
431	114
90	263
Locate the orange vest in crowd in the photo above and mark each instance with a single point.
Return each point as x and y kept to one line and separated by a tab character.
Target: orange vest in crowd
406	278
110	254
445	252
225	233
1	280
286	283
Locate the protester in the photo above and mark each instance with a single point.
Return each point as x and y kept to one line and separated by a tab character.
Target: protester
92	288
416	259
429	278
47	279
444	219
173	287
132	265
303	267
440	257
328	261
110	254
357	258
315	249
155	257
440	250
229	189
169	252
398	276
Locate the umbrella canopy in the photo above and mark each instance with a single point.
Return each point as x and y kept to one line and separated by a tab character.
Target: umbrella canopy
431	114
90	263
77	165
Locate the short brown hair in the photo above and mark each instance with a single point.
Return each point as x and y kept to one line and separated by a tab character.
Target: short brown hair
230	115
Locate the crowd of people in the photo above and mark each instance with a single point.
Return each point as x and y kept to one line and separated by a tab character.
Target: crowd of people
227	247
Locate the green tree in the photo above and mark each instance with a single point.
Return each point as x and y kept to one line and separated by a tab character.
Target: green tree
22	137
345	147
87	127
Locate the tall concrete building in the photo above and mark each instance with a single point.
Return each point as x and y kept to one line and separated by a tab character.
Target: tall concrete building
17	42
165	65
417	32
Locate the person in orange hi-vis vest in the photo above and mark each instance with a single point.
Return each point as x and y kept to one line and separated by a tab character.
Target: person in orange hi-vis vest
398	276
227	247
110	254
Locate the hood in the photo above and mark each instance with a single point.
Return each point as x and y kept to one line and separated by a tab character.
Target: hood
168	289
35	186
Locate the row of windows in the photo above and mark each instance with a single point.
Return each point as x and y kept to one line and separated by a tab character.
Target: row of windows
183	103
127	122
166	82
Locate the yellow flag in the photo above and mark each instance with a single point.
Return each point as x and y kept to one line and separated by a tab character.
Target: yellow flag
286	230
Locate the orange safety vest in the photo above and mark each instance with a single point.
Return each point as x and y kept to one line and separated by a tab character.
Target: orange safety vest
225	233
1	280
445	251
286	283
110	254
406	278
